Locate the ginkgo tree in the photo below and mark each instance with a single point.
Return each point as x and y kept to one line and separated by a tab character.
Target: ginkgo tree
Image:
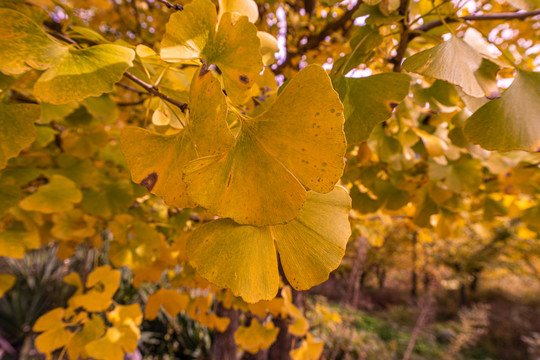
167	146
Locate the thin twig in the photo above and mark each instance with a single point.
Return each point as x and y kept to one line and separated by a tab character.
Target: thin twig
130	88
154	91
132	103
176	7
409	35
518	15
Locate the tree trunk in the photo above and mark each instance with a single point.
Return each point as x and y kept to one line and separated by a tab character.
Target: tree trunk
283	345
355	278
414	276
224	343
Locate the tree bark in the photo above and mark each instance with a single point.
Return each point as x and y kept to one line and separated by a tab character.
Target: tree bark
224	343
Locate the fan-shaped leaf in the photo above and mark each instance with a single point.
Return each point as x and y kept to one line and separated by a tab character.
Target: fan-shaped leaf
78	74
511	122
298	140
243	257
24	44
158	164
454	61
18	130
233	47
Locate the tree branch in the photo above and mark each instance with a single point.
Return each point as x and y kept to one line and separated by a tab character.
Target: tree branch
407	36
154	91
518	15
176	7
314	40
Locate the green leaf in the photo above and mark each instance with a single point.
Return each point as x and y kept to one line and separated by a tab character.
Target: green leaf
15	242
454	61
234	47
362	42
58	195
79	74
243	257
369	101
18	130
156	161
511	122
24	45
298	140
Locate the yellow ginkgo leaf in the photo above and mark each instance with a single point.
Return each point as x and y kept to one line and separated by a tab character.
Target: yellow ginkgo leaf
172	301
125	314
98	298
54	333
299	327
93	329
299	141
24	44
234	47
117	341
244	7
81	73
134	242
309	350
156	161
73	225
243	257
269	46
58	195
15	242
6	282
255	337
18	130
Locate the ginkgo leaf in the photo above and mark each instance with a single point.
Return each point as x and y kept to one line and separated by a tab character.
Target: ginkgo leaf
81	73
244	7
98	298
243	257
54	332
134	242
118	340
454	61
6	282
269	46
15	242
125	314
298	140
158	164
309	350
255	337
18	130
60	194
93	329
299	327
24	45
233	47
369	101
511	122
172	302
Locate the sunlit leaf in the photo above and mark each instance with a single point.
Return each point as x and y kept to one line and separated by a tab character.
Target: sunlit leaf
454	61
233	47
244	7
511	122
24	45
298	140
172	302
158	164
255	337
81	73
243	257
